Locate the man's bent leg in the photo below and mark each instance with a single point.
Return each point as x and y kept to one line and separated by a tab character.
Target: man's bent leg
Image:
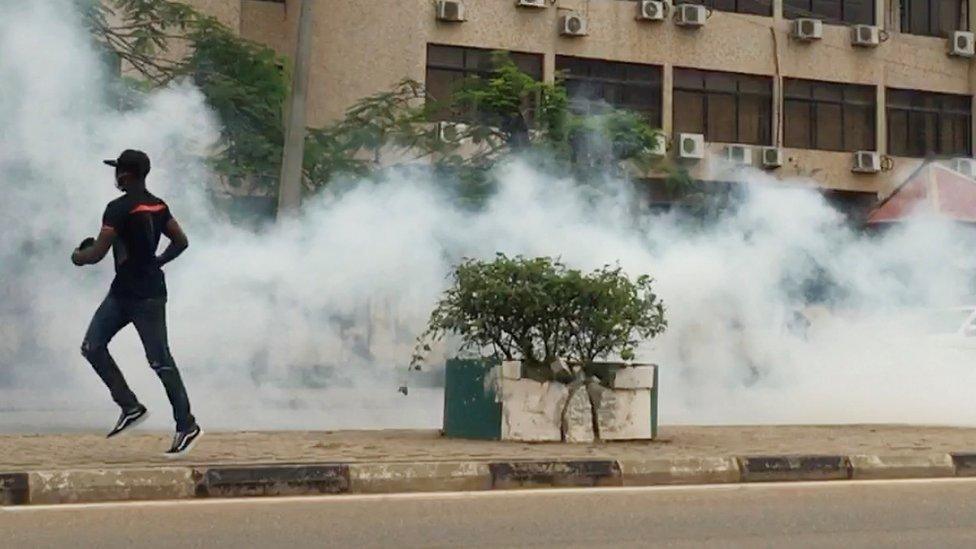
149	317
108	320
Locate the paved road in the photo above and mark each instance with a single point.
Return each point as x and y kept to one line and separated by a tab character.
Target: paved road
840	514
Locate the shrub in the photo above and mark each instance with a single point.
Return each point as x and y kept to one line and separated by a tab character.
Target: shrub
537	310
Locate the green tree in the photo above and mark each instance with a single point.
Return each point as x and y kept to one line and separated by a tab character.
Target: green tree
159	41
245	83
487	120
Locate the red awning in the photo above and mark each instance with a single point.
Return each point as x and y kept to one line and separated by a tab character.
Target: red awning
932	190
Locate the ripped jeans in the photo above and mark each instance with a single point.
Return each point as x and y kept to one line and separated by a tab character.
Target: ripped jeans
149	318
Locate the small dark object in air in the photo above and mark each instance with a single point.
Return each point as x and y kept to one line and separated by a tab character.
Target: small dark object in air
403	389
86	243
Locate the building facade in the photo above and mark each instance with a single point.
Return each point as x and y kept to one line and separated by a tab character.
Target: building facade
743	77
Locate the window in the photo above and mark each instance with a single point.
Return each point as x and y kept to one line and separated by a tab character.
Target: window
828	116
724	106
591	83
924	123
831	11
933	17
754	7
448	66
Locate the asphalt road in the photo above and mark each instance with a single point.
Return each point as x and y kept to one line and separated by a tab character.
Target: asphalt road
827	514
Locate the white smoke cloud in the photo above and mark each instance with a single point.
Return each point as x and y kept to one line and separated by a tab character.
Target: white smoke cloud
310	323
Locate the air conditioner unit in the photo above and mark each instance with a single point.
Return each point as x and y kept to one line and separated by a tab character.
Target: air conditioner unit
738	154
650	10
660	145
450	11
572	25
772	157
690	15
691	146
965	166
865	35
451	132
807	29
531	3
866	162
962	44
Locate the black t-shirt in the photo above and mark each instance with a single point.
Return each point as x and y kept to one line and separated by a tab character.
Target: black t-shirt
138	222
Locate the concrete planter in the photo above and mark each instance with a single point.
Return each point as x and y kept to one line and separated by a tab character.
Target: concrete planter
485	400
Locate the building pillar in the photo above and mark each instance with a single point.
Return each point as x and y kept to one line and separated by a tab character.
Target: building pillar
293	152
777	9
971	11
667	101
777	112
881	120
549	67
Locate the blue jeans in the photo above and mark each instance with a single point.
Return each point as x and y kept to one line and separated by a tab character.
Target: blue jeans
149	318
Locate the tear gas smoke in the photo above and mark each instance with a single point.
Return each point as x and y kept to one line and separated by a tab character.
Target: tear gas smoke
310	323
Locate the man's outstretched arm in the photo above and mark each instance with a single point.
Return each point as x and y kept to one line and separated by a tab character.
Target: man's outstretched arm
94	253
178	242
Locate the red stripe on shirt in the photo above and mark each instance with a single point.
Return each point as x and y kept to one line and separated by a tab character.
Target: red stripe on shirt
148	208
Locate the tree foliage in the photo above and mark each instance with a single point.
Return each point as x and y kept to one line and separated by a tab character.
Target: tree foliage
244	82
484	120
537	310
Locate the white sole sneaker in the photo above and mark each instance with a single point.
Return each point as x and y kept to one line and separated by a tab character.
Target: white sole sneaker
189	447
128	428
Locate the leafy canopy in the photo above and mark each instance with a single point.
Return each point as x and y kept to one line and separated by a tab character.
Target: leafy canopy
244	82
537	310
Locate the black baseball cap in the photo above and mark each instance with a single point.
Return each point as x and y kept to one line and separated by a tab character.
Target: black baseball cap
132	161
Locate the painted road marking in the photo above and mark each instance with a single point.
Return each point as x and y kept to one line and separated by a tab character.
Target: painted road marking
339	499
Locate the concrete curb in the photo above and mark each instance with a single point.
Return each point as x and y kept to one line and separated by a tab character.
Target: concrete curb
184	482
94	485
386	478
888	467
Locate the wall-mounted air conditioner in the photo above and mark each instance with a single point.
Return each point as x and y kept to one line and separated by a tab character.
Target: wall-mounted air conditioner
865	36
651	10
660	145
451	132
531	3
965	166
572	25
771	157
739	154
450	11
866	162
962	44
807	30
690	15
691	146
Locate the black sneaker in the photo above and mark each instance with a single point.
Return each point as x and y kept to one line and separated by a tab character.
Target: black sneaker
129	418
183	441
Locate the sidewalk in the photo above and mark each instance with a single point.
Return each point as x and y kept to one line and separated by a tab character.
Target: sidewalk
83	467
71	451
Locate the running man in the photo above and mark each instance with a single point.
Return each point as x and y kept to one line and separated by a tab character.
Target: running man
131	227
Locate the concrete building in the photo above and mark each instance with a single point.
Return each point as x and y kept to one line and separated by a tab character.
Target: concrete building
742	77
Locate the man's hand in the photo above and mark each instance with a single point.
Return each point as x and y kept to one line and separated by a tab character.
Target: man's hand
91	250
178	243
76	254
